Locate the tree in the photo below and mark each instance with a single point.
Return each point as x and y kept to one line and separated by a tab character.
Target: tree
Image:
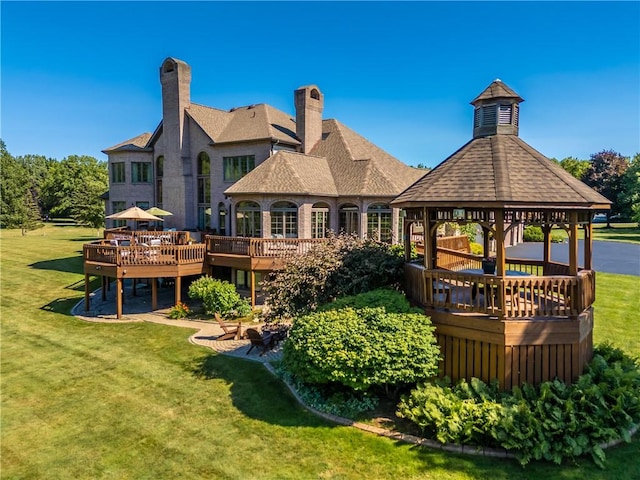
630	194
605	175
19	206
574	166
74	185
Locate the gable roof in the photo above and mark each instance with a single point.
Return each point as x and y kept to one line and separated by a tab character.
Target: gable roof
288	173
359	167
500	170
253	122
134	144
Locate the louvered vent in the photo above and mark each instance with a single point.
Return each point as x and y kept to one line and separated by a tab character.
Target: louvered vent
488	115
476	118
504	115
516	115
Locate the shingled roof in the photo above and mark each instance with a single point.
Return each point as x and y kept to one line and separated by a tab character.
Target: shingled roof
288	173
342	163
499	170
134	144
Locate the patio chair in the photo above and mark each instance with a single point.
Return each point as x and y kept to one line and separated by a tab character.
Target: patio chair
263	341
231	331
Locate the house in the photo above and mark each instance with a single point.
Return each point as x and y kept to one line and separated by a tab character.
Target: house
256	171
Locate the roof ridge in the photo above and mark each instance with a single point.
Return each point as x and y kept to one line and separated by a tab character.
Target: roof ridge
343	140
207	107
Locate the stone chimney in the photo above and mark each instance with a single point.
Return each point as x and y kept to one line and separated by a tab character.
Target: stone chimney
175	77
309	103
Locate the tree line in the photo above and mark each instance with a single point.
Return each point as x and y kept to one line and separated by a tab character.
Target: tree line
34	188
613	175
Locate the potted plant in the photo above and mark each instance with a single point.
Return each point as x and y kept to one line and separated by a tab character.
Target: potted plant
489	266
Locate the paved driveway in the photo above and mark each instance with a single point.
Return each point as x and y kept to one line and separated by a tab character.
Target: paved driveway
610	257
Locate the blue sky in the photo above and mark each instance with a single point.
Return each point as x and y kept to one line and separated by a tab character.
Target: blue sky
78	77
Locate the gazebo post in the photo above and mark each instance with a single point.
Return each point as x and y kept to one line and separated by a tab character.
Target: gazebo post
588	246
428	242
486	241
500	251
407	241
573	243
546	230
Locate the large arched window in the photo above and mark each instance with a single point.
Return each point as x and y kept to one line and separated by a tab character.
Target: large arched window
284	220
320	220
204	190
248	220
379	222
159	175
349	219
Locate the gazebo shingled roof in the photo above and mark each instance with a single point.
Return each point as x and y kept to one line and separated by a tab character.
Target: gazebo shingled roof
497	169
500	170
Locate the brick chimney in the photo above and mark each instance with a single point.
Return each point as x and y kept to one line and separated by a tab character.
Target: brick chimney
175	78
309	103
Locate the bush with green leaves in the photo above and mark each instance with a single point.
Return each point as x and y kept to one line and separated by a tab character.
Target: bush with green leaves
219	296
533	234
361	349
393	301
343	265
553	421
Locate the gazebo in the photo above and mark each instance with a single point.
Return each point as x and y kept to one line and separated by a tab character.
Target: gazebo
514	320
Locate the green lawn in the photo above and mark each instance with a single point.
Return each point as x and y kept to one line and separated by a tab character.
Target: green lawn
134	401
619	232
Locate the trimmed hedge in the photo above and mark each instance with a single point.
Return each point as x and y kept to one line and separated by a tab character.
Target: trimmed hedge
362	348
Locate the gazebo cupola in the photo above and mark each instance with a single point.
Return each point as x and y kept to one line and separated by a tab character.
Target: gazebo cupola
496	111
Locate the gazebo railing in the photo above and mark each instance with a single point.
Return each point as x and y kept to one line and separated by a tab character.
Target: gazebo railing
505	297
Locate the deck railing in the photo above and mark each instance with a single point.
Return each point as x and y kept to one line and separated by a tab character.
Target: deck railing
103	252
144	236
506	297
260	247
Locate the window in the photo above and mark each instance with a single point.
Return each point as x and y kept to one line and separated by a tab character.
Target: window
159	175
284	220
141	172
248	220
204	190
204	164
222	219
117	172
118	207
319	220
379	222
143	205
204	217
349	219
237	167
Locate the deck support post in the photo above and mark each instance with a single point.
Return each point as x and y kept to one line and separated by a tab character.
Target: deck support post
154	293
253	288
104	282
178	287
119	295
87	298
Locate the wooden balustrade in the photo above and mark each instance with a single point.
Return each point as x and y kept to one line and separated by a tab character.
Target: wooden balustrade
457	260
505	297
102	252
145	237
260	247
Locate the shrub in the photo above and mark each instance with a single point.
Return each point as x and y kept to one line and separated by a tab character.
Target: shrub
533	234
392	300
361	348
219	296
476	248
344	265
553	421
179	310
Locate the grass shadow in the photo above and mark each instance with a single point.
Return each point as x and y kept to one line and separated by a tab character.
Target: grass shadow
62	306
69	265
253	390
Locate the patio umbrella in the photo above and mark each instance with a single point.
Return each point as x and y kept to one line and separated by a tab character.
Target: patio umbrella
158	212
133	213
